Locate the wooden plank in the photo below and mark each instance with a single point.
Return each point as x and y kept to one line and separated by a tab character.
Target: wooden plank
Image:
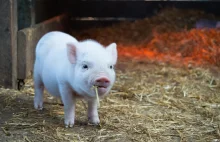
78	25
8	43
28	38
136	9
132	9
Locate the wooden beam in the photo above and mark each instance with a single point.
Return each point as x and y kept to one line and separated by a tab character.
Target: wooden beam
8	43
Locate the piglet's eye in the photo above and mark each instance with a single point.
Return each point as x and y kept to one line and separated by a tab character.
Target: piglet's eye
111	67
85	67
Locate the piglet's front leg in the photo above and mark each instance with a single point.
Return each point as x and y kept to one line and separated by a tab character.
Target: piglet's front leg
93	115
69	105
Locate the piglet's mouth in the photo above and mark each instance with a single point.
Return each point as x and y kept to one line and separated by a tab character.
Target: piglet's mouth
102	89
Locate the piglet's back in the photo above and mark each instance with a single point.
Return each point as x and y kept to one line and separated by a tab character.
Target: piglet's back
50	41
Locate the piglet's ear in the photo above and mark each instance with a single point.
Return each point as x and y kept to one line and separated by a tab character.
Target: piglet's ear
112	49
71	52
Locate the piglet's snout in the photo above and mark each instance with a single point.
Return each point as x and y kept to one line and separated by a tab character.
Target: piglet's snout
102	82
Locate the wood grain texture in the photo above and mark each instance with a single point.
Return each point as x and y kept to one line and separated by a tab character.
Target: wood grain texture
8	43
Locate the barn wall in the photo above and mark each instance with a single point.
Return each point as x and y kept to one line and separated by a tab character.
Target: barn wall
8	43
27	41
136	9
32	12
36	18
129	10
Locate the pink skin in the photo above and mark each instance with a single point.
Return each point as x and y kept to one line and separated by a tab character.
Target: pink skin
68	69
102	84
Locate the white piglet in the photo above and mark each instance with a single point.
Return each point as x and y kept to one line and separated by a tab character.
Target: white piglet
68	69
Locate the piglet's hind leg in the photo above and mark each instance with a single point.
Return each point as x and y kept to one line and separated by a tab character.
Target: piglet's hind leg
38	88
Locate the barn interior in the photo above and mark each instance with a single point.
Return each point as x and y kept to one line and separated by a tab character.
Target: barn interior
167	86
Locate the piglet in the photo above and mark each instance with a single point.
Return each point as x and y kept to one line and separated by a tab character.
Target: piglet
68	69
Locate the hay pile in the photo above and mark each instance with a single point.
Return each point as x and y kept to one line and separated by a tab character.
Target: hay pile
170	36
150	101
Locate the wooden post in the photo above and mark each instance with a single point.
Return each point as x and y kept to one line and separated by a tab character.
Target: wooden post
8	43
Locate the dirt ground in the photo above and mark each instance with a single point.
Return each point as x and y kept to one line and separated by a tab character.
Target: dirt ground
160	95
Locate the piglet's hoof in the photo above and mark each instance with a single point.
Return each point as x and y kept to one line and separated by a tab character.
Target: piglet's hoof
94	120
38	105
69	123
